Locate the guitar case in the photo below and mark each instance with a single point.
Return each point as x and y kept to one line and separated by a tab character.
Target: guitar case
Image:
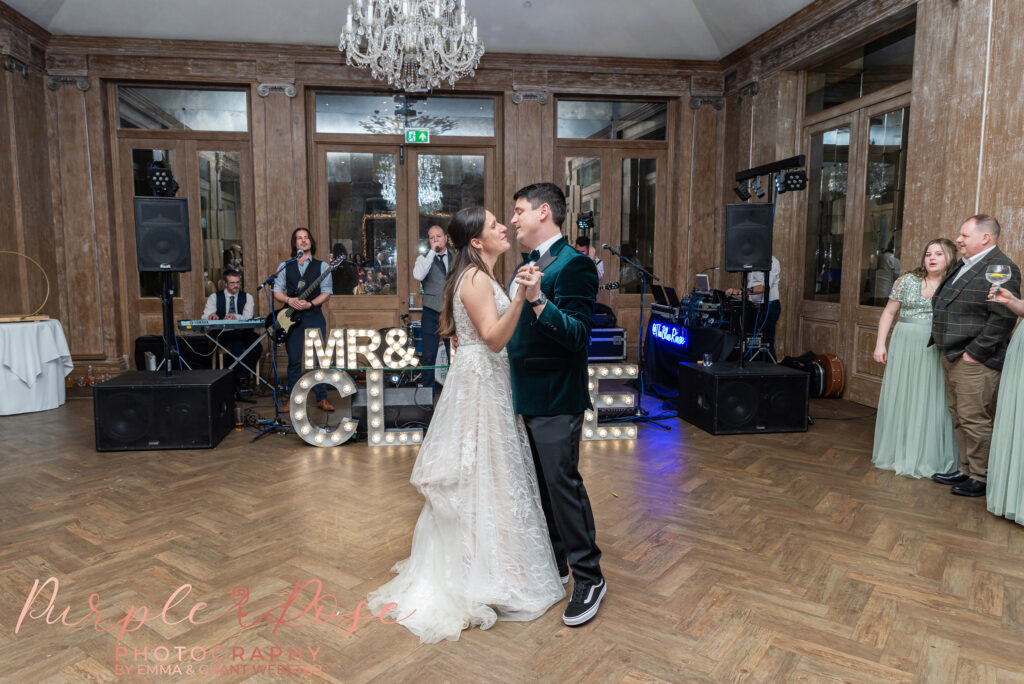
826	370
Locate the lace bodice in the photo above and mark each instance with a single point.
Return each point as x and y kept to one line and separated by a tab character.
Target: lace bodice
907	291
467	333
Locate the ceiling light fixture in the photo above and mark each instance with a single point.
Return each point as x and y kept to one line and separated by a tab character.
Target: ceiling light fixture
412	44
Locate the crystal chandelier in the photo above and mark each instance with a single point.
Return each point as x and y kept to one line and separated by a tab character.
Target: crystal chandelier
413	44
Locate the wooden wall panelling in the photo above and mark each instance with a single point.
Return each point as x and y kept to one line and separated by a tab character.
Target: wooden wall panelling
789	219
13	269
99	183
78	229
1000	187
703	173
945	120
730	164
679	220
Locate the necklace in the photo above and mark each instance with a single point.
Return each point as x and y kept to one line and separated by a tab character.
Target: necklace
928	287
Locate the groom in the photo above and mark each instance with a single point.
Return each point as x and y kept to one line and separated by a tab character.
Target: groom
548	357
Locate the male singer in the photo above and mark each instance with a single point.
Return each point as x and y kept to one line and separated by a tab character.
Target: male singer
430	269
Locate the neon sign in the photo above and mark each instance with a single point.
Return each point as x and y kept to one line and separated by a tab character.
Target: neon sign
669	333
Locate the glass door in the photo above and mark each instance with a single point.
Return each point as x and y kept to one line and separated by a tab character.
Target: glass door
376	204
856	167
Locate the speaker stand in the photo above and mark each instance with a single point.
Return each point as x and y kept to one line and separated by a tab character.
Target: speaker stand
743	322
167	302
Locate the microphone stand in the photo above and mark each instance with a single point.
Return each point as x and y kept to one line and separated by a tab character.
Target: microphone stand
277	425
640	414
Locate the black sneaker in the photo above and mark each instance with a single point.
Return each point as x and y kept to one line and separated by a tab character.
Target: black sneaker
564	576
584	602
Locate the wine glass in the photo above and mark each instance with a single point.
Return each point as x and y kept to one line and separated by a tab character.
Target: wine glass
997	274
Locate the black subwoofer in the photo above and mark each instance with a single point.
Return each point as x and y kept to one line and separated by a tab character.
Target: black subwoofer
140	411
724	399
748	237
161	234
403	407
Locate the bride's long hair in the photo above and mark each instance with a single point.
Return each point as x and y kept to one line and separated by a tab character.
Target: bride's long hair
464	226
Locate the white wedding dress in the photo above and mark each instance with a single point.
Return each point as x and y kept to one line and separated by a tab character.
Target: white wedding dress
480	550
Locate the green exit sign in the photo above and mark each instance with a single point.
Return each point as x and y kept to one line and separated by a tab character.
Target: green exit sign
417	135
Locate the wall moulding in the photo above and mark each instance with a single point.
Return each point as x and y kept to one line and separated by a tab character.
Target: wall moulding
264	89
698	102
56	82
538	96
748	90
15	65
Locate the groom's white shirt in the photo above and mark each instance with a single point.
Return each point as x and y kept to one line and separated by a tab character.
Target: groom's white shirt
544	248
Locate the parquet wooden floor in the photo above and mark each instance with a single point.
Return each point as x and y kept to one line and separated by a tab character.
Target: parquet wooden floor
761	558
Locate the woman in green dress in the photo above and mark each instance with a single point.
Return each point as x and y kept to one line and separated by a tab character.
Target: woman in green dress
913	430
1005	493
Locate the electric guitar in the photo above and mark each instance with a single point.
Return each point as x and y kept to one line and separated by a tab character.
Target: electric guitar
287	316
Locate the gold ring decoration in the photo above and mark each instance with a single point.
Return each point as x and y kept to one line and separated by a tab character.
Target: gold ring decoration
45	277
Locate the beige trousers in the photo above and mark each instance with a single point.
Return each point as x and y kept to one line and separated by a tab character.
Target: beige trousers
971	390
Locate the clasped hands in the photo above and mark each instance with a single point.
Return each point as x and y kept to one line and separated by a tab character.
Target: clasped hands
528	279
299	304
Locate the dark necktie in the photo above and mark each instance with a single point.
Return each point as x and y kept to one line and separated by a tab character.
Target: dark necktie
440	260
231	306
531	256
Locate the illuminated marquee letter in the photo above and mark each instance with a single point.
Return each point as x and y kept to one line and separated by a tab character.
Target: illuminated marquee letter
592	430
396	354
326	353
299	399
376	431
365	350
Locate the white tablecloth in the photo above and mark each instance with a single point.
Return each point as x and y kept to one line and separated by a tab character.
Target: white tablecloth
34	359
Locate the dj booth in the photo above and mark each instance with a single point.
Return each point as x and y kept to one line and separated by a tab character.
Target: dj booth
704	322
668	343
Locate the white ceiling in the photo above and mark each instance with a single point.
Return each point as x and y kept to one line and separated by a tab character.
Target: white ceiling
668	29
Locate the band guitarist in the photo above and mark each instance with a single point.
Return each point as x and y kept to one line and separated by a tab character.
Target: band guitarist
291	280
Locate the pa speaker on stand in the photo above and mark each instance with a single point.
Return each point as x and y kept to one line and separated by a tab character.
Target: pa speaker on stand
748	237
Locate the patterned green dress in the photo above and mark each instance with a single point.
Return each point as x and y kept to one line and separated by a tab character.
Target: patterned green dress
1005	490
913	430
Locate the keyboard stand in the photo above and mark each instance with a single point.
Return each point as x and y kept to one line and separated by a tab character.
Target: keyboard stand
238	360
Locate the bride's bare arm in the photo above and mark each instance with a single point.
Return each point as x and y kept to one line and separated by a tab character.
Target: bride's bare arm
478	296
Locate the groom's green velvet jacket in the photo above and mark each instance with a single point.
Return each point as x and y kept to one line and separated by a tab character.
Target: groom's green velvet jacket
548	354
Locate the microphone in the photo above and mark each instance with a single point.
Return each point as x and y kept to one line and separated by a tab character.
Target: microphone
299	253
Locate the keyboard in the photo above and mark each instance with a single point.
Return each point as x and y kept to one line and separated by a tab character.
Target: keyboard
228	324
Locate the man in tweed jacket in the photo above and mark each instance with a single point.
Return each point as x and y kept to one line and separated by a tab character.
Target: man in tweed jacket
972	333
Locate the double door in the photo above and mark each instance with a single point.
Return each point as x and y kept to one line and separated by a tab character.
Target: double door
375	204
853	241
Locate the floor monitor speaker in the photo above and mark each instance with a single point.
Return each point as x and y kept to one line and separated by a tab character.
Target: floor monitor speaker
161	234
139	411
725	399
748	237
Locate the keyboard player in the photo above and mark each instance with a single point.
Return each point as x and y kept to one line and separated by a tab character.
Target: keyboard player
234	303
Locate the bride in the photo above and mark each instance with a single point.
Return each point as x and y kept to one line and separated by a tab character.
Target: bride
480	550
